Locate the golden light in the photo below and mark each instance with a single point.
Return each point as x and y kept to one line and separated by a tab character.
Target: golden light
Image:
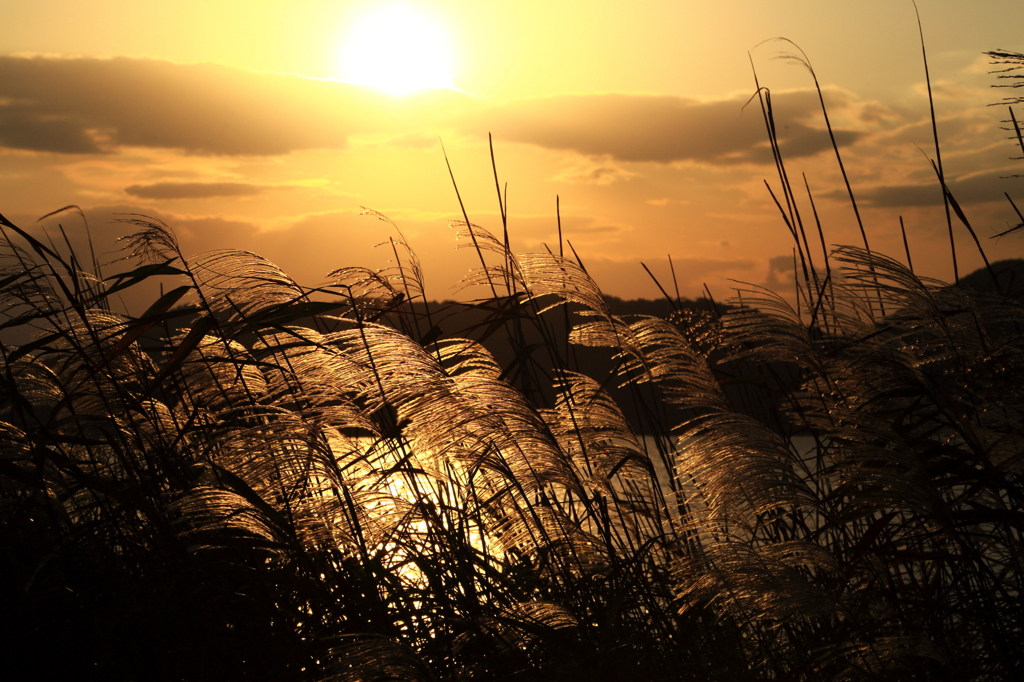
398	49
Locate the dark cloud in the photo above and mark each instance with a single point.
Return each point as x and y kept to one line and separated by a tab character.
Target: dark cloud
598	173
662	128
780	265
194	190
80	106
980	188
23	127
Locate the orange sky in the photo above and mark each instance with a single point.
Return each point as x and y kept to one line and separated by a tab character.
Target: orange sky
230	120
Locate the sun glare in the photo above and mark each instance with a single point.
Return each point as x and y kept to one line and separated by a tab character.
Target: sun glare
398	49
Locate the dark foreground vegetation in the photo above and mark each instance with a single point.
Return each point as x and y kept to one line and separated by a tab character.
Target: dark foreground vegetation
257	480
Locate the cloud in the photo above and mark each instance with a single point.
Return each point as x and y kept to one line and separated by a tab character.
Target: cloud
194	190
588	172
23	127
978	188
779	265
663	128
80	106
89	106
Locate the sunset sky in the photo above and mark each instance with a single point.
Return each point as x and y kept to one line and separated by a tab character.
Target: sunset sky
266	126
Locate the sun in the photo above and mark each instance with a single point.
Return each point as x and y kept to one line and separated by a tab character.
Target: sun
398	49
